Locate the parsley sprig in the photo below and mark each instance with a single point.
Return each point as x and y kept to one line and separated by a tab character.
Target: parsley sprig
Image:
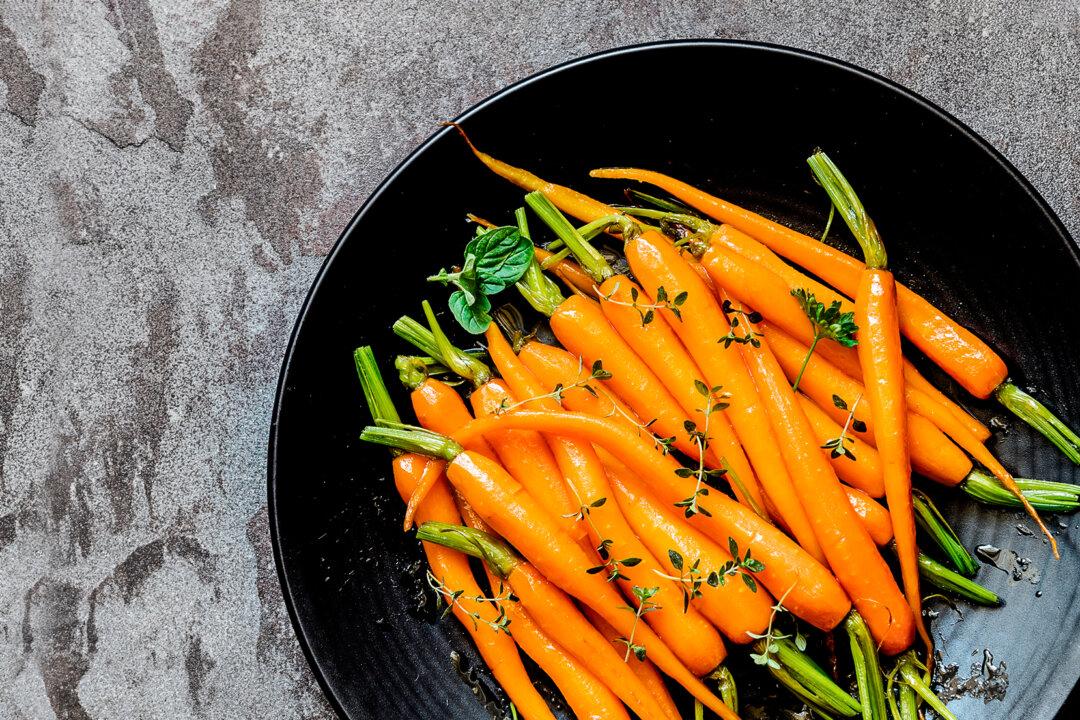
829	323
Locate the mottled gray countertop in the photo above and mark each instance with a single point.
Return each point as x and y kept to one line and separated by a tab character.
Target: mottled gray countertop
171	176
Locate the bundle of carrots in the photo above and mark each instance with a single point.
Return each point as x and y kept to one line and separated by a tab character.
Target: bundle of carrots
589	476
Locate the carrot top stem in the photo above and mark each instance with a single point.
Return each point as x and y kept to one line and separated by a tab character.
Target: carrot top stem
910	672
412	370
588	231
725	684
804	678
412	439
868	676
850	208
667	204
376	395
496	554
933	523
590	259
1045	495
461	362
1037	415
454	358
946	579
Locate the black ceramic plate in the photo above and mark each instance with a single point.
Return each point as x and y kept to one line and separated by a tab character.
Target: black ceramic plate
962	227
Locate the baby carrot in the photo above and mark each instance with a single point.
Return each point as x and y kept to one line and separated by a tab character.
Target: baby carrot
812	593
623	555
875	518
864	472
880	358
452	570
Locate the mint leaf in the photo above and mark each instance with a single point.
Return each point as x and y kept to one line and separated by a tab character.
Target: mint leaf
501	256
473	316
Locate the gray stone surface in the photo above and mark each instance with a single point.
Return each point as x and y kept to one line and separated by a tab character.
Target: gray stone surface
171	174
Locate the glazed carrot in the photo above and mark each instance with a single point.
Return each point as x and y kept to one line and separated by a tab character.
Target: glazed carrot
748	248
689	635
504	505
954	348
932	453
452	570
645	670
429	477
864	472
875	518
732	607
768	293
588	697
812	593
570	273
850	550
880	358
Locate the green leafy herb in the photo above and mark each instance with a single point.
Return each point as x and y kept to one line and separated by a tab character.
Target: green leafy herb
837	446
767	644
691	578
646	310
829	323
715	400
645	605
494	260
559	391
747	335
452	598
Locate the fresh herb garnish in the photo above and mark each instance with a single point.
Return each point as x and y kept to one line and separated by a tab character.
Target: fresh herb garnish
646	310
559	391
837	446
829	323
644	597
494	260
749	335
692	577
715	399
452	598
767	644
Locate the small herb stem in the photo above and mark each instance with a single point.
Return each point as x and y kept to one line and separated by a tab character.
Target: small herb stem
930	519
828	223
867	667
1045	495
1038	416
806	360
413	439
851	209
375	393
910	673
590	259
495	553
633	630
946	579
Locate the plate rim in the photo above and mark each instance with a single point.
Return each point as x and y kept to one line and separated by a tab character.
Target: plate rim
1072	660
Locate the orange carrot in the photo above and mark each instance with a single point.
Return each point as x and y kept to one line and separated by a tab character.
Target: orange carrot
954	348
864	472
932	453
431	474
645	670
812	592
875	518
733	607
452	569
570	273
689	635
849	548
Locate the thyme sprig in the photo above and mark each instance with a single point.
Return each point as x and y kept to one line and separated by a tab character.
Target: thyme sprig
597	372
767	643
646	310
715	400
837	446
829	323
691	578
645	605
748	334
452	598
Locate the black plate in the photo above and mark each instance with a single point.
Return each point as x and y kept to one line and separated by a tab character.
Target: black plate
962	227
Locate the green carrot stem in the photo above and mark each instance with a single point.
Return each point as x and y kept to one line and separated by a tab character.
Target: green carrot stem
909	703
725	684
417	335
910	668
693	222
867	667
412	371
495	553
803	677
540	291
590	259
375	393
588	231
663	203
934	524
522	220
946	579
1044	495
412	439
806	360
850	208
1035	414
454	358
699	710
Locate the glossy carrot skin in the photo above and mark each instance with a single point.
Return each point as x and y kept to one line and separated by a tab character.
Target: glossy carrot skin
882	369
874	516
555	366
589	698
846	359
657	263
439	407
431	474
689	635
733	607
660	348
813	594
452	568
932	453
864	472
514	514
526	456
645	670
771	295
954	348
583	330
850	550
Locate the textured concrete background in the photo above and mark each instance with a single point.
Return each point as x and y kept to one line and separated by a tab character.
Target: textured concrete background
171	174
